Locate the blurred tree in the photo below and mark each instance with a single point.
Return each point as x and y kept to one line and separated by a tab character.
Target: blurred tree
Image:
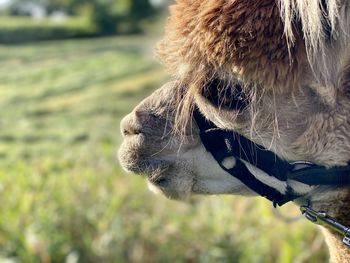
133	12
108	16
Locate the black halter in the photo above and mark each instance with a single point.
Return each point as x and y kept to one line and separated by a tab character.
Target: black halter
223	144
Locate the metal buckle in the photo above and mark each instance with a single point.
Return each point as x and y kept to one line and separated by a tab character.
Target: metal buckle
298	165
346	239
321	218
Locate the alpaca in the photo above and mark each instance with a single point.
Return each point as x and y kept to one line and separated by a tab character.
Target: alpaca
179	166
274	71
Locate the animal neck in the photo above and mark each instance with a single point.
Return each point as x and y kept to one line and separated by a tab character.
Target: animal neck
336	203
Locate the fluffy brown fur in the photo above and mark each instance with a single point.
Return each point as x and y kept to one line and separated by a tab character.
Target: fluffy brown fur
232	40
240	37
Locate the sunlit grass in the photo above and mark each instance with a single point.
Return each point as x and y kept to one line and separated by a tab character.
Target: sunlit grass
27	21
63	195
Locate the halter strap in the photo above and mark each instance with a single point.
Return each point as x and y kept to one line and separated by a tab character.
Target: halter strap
223	144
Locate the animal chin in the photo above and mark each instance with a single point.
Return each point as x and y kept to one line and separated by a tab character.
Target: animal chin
168	192
171	183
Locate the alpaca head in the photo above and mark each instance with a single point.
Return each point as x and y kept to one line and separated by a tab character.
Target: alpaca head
268	70
175	165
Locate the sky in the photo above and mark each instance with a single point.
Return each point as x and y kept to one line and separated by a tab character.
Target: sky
4	2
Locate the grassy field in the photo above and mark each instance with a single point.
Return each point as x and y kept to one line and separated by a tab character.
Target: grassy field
64	197
25	29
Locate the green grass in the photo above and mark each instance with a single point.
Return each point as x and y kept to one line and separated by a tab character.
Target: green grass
65	199
27	21
16	29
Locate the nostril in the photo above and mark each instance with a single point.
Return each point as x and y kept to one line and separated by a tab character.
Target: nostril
138	113
127	132
128	126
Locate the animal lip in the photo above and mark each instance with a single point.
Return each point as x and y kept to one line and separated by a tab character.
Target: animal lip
150	168
155	167
158	179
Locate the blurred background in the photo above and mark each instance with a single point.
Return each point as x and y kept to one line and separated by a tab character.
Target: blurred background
70	70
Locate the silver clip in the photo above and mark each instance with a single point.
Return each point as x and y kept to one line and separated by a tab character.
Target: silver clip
321	218
346	239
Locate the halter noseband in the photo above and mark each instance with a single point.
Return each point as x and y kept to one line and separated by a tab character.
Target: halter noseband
224	144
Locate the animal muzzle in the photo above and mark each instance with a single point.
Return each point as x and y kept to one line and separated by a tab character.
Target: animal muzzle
137	153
